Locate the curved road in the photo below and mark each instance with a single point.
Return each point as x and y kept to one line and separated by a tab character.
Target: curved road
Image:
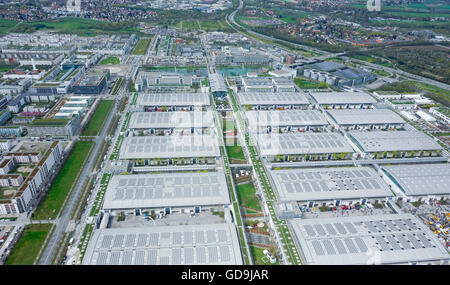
233	23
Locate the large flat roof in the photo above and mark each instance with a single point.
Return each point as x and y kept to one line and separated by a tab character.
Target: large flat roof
365	116
211	244
393	141
146	120
170	146
302	143
271	98
173	99
328	184
342	98
385	239
166	190
421	179
286	118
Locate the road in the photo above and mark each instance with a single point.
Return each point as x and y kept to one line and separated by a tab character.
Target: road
325	54
233	24
62	223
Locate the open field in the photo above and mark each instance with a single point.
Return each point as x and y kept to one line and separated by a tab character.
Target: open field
96	121
110	60
53	201
436	93
235	152
247	196
304	83
29	244
6	25
79	26
141	46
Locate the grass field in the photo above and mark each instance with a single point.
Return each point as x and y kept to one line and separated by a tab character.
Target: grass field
141	46
235	152
6	25
247	196
303	83
52	203
29	244
79	26
258	256
96	121
7	67
110	60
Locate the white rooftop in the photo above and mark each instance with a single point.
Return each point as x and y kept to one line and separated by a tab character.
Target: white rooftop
166	190
193	119
365	116
342	98
393	141
173	146
270	98
212	244
377	239
421	179
286	118
328	184
301	143
170	99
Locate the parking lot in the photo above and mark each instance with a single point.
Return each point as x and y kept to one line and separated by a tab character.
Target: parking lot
339	212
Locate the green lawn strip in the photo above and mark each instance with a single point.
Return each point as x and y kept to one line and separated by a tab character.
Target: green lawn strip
126	122
237	212
135	96
285	234
247	196
235	152
98	118
53	201
115	152
117	86
84	240
141	46
29	244
100	194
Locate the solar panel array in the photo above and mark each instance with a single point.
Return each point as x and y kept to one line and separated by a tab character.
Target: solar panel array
170	146
328	184
342	98
270	98
147	120
365	116
169	99
286	118
165	245
422	179
356	240
394	141
166	190
302	143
